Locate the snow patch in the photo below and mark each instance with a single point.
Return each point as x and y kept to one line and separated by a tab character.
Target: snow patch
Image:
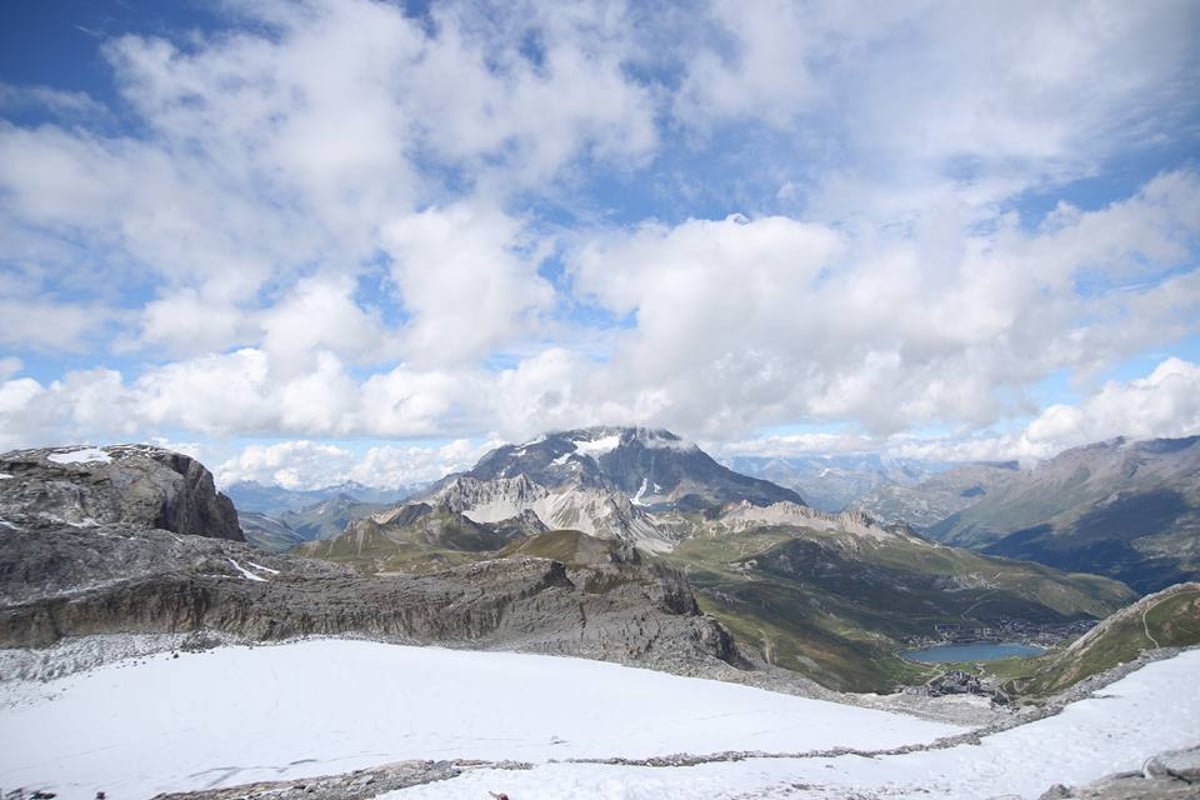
261	568
245	572
4	476
84	455
598	447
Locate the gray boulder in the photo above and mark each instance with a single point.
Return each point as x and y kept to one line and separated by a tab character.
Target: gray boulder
136	486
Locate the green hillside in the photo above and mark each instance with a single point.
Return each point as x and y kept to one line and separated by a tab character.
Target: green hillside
837	606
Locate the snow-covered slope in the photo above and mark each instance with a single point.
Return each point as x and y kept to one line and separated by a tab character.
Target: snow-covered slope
236	714
233	715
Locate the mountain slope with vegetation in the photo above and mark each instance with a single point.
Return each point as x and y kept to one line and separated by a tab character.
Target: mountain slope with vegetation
1128	510
1169	618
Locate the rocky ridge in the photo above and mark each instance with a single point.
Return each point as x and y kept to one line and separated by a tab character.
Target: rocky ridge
135	539
136	485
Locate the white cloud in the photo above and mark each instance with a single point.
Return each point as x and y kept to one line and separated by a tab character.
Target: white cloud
55	101
300	464
318	315
394	466
305	464
1166	403
186	322
463	276
218	395
334	220
743	324
40	324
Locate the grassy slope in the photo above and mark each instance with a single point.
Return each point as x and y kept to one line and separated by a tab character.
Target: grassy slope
437	541
832	606
837	608
1170	618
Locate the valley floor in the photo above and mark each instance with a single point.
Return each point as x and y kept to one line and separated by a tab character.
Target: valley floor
232	715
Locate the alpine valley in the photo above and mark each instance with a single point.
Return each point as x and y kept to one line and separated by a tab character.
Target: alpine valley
624	545
831	597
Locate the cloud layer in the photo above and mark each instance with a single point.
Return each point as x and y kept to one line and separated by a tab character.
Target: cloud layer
325	220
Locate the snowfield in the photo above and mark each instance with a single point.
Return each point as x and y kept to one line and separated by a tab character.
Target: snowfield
237	714
82	455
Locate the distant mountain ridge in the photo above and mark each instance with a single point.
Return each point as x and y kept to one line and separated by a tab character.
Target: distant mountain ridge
1122	508
938	496
274	500
834	482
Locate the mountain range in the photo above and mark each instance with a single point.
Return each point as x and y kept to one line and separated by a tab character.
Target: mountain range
624	510
833	483
255	497
830	596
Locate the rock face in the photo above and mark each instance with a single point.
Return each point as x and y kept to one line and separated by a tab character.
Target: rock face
135	539
1168	776
132	485
74	582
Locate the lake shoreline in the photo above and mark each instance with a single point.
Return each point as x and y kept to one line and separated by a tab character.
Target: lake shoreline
954	652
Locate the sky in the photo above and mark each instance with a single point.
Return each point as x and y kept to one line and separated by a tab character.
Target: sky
350	239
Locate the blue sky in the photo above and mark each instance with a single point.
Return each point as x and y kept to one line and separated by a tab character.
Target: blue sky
311	241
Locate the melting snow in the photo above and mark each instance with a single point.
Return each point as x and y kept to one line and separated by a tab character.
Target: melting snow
5	476
261	568
641	492
81	456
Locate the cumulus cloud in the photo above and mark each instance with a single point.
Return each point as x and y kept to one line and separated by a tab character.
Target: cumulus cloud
300	464
464	280
1165	403
747	323
393	466
333	218
305	464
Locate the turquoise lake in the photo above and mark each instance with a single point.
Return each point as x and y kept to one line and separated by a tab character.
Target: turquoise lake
984	651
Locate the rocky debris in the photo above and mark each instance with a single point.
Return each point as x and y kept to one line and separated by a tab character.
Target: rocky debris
1174	775
361	783
130	485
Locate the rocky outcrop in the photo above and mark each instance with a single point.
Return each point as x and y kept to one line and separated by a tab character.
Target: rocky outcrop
1167	776
135	539
63	582
131	485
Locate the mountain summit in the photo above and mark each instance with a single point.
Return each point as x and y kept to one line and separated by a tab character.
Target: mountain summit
654	468
633	484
